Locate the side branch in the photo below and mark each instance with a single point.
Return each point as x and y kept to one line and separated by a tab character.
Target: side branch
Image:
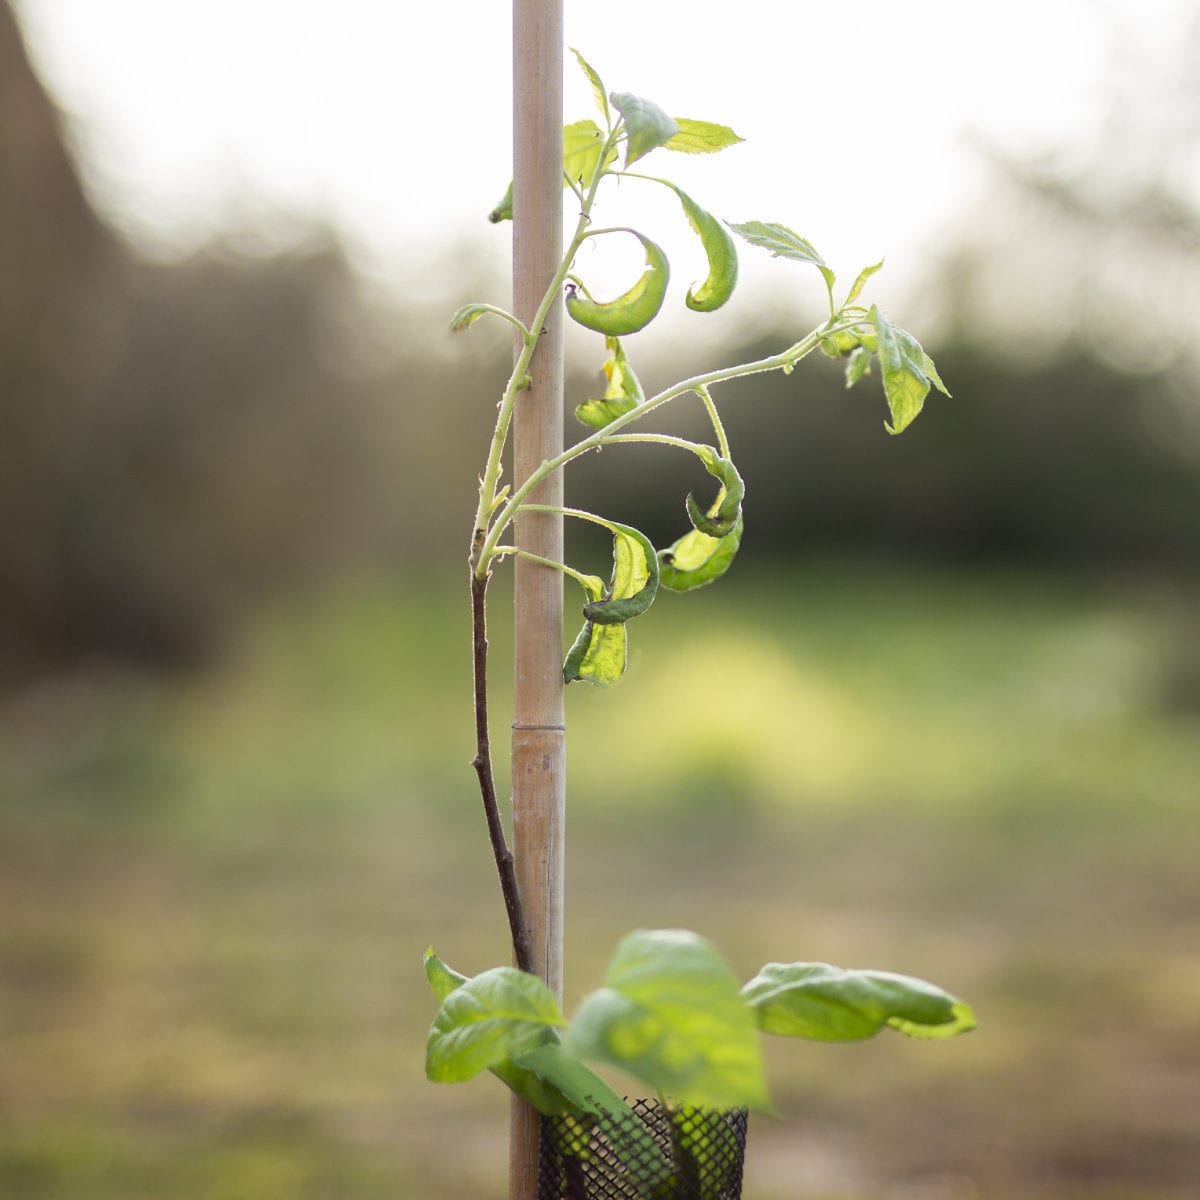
482	762
777	362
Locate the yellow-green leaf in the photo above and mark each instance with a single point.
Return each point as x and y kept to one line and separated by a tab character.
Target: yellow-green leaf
597	85
634	579
697	559
633	309
622	394
908	372
861	281
720	250
582	143
858	365
599	652
598	655
701	137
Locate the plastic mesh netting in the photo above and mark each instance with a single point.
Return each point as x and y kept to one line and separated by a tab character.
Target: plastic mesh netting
644	1153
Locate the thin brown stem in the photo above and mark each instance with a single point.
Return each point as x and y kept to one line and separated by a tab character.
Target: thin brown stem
482	762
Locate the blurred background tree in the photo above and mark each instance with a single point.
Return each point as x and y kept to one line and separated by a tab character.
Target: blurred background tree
182	440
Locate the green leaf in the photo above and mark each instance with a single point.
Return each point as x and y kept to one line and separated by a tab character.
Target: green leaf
582	143
490	1019
858	365
697	559
838	345
647	125
622	394
634	579
723	515
815	1000
780	240
701	137
671	1015
907	371
861	281
534	1090
597	85
468	315
442	979
721	251
934	377
552	1064
599	652
633	309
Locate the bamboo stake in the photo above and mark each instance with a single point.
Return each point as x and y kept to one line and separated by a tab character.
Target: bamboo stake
538	739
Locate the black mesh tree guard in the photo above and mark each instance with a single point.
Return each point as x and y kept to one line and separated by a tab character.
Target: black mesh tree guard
690	1154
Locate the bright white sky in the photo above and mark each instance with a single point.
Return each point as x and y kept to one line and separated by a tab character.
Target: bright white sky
391	117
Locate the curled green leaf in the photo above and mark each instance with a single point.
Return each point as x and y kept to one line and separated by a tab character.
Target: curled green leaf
634	579
697	559
719	519
599	652
838	345
815	1000
647	126
721	251
701	137
600	649
622	393
633	310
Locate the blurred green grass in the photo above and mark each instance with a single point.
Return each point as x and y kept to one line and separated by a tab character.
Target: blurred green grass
216	891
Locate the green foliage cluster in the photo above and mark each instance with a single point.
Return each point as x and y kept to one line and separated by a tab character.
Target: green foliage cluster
670	1012
860	335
